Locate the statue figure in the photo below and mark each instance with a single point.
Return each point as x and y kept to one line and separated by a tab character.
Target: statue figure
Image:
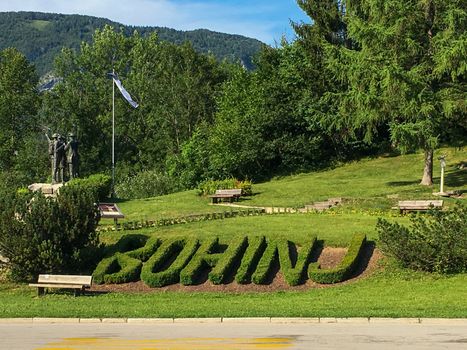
72	156
52	143
59	159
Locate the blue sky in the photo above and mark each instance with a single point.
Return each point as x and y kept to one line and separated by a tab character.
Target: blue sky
266	20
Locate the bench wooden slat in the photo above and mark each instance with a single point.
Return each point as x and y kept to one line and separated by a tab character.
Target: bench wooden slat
418	205
65	279
59	285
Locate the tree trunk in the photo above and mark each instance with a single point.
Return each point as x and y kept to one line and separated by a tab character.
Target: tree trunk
427	179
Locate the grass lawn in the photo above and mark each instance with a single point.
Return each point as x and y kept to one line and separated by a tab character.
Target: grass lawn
336	229
370	186
389	293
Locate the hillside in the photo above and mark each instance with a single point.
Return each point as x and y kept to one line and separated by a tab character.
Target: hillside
40	36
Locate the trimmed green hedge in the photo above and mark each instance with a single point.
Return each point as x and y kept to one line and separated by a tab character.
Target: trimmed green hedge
228	260
193	269
100	185
345	268
145	252
151	273
127	243
119	268
266	263
253	253
294	275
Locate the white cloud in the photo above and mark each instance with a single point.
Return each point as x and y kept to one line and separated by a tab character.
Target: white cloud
220	16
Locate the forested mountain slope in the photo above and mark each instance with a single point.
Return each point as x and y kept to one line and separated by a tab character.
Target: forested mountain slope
40	36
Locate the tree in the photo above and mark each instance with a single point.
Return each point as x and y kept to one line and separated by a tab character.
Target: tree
407	70
18	104
174	86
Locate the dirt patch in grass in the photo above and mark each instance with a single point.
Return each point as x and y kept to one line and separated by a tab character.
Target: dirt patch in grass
329	257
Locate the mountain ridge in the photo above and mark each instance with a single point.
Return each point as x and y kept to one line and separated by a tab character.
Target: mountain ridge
41	36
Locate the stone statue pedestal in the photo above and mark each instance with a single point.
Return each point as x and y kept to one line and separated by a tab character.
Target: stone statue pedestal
47	190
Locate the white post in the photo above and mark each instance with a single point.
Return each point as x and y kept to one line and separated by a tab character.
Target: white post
113	134
443	164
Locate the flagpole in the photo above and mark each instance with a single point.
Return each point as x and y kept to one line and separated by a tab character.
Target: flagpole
113	134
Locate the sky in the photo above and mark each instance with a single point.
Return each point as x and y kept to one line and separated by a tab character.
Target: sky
266	20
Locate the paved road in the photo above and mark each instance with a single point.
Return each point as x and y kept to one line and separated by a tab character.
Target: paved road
232	336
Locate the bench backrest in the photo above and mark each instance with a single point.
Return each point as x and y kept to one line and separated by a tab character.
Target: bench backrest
421	203
233	192
64	279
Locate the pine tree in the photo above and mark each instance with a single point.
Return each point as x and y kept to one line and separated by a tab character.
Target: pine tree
408	71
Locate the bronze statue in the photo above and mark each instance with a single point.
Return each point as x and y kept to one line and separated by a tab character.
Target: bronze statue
63	154
72	158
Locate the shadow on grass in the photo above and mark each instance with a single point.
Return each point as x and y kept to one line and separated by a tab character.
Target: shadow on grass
365	258
402	183
456	178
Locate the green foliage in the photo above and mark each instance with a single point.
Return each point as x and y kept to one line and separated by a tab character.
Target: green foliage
153	274
119	268
192	270
18	105
228	260
210	186
99	185
346	267
435	243
42	35
294	272
145	252
148	183
253	253
265	264
42	235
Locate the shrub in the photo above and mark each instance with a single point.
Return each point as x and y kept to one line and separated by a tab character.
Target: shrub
435	243
192	270
265	265
345	268
127	243
43	235
255	249
294	274
228	259
117	269
145	252
151	272
99	185
210	186
145	184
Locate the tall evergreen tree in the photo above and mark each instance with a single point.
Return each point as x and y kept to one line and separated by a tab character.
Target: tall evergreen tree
409	71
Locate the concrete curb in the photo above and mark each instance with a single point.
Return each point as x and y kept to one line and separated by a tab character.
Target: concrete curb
242	320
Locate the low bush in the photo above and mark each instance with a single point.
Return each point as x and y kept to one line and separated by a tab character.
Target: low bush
145	184
345	268
294	273
210	186
255	249
99	185
44	235
127	243
192	270
151	273
265	264
119	268
145	252
228	260
436	242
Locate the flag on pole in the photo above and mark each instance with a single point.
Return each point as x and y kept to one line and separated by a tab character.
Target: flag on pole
125	93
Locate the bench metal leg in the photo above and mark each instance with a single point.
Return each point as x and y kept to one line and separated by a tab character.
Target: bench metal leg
40	291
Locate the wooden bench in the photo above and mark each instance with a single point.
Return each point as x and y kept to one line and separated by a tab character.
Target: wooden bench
77	282
231	195
419	205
